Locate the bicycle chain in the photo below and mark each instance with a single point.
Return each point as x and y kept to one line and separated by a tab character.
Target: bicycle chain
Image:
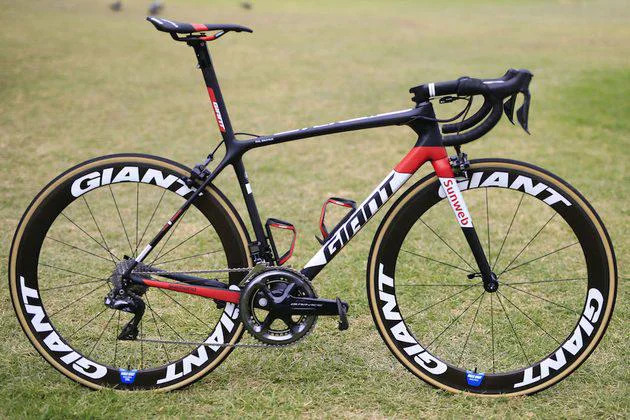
218	270
196	343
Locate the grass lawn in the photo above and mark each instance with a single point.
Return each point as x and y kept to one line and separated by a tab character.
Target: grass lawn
79	81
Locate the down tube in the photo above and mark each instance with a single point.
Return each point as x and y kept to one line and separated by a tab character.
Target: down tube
371	205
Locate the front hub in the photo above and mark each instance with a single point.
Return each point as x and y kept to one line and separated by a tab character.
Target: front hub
492	284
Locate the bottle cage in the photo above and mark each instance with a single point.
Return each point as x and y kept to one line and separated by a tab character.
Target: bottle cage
280	224
337	201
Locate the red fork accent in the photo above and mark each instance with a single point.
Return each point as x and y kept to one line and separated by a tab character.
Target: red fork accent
418	156
208	292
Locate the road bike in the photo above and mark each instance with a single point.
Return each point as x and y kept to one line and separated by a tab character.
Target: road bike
133	272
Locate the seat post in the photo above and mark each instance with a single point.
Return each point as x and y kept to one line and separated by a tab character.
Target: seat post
214	91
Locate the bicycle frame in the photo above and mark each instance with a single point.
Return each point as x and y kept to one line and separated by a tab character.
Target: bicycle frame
428	148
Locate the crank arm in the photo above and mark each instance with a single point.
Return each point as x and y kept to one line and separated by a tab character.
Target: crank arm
313	306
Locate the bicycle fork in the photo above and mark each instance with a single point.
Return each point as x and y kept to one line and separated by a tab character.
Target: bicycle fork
458	205
430	148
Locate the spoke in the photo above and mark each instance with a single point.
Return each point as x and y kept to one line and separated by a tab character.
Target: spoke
445	243
116	340
97	226
455	320
528	243
472	324
135	251
542	298
182	242
73	284
508	231
84	325
443	300
513	330
162	319
528	317
186	258
173	229
435	285
151	219
542	256
141	346
183	307
492	330
157	326
102	332
113	257
76	300
69	271
436	261
543	281
120	218
488	226
78	249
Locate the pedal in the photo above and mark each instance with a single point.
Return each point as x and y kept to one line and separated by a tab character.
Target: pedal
342	202
279	224
342	307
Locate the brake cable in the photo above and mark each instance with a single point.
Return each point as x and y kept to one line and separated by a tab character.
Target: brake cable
449	99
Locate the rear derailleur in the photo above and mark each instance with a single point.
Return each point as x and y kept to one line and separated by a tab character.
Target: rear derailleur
125	296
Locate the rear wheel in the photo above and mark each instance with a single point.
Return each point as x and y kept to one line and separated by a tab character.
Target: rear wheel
71	239
556	271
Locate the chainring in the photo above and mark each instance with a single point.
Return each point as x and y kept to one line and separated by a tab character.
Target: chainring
263	313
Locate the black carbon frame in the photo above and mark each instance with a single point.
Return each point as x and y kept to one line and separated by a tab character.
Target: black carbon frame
420	119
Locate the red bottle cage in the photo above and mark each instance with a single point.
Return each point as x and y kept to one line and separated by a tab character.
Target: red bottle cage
343	202
279	224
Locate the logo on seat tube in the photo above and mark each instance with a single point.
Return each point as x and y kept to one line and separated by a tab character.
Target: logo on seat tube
215	108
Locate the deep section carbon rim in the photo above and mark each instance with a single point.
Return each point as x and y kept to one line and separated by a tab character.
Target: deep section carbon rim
67	246
556	276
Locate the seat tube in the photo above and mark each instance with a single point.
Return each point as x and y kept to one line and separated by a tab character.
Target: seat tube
248	196
260	247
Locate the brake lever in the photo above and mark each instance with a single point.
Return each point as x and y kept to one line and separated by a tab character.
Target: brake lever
523	112
508	108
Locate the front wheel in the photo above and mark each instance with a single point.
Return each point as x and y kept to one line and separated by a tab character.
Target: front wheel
556	271
79	231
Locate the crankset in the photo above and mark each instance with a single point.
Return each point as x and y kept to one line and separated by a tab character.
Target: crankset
278	306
